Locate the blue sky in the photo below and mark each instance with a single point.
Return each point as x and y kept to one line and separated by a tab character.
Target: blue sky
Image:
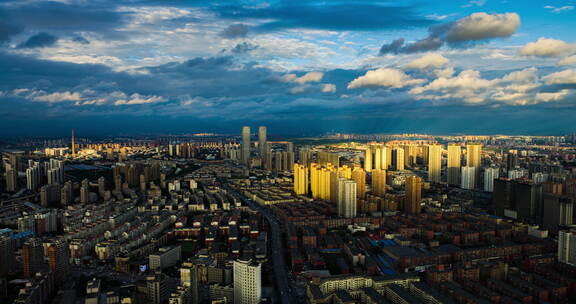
300	67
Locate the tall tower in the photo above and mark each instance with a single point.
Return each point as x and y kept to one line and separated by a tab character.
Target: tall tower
489	175
347	197
262	140
7	254
413	194
473	157
434	163
246	144
379	182
368	160
73	145
247	282
300	179
454	164
398	158
32	256
468	178
359	176
58	259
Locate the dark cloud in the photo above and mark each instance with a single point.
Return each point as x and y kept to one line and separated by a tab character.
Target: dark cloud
392	47
465	32
235	31
53	16
81	40
38	41
8	30
244	47
327	15
397	46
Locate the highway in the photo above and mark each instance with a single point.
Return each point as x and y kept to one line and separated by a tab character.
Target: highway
279	265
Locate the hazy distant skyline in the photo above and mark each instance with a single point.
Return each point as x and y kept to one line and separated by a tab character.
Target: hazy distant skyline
298	67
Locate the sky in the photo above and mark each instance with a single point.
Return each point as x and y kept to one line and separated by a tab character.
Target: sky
300	67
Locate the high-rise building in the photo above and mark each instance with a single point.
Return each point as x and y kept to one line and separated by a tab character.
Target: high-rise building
558	211
33	177
262	140
379	182
347	198
398	158
368	159
359	176
410	155
567	247
300	179
489	175
473	159
156	289
320	181
32	257
377	158
246	144
247	282
11	178
58	259
413	195
7	255
85	191
189	277
73	145
434	163
511	161
454	164
468	176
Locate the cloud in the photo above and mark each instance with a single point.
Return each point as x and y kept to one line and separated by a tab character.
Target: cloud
308	77
553	96
428	61
53	16
8	30
559	9
244	47
462	32
562	77
384	77
137	99
482	26
329	88
38	41
235	31
568	60
474	3
55	97
546	47
528	75
322	15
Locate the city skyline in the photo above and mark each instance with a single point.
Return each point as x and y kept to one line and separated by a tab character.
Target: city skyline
298	67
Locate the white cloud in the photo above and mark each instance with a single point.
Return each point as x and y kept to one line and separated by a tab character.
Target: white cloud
137	99
555	96
384	77
562	77
479	26
559	9
467	79
445	73
568	60
546	47
308	77
55	97
329	88
522	76
427	61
